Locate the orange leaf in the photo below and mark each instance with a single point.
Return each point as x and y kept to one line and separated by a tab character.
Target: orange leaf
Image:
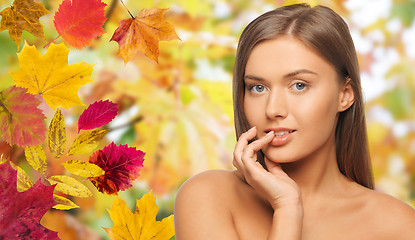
23	15
80	21
143	34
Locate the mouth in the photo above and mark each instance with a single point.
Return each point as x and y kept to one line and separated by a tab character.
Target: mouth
282	136
280	132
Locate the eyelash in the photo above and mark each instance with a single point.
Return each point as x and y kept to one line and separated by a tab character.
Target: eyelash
251	87
304	85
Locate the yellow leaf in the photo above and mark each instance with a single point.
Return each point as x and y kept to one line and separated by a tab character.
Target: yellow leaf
23	15
70	186
36	157
87	142
142	223
23	180
83	169
57	135
2	159
219	93
51	76
165	121
63	203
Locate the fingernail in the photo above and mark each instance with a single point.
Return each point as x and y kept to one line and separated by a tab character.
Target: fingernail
252	128
270	133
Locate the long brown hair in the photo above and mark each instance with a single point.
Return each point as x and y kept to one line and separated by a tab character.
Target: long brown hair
321	29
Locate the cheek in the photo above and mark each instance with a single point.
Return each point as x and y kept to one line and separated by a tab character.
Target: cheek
320	111
253	111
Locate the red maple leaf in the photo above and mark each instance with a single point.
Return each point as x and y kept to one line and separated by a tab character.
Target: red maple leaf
21	122
121	164
80	22
20	212
97	114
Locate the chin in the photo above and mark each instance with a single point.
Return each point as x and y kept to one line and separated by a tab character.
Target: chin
281	154
279	157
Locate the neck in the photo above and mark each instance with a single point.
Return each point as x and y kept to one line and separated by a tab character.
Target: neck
318	174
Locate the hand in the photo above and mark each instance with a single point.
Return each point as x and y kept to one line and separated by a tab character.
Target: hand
275	185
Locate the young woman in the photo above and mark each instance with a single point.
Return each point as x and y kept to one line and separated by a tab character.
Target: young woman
303	168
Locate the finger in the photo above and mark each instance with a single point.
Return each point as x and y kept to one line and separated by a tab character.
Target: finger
274	167
239	148
255	174
244	139
256	145
252	168
242	143
249	157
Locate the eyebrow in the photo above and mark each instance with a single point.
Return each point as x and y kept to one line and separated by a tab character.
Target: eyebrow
291	74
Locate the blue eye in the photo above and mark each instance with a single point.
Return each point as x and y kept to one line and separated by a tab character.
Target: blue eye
299	86
258	88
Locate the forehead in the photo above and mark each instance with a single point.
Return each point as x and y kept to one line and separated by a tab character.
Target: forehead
286	54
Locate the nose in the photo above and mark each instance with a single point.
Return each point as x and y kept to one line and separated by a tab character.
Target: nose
276	105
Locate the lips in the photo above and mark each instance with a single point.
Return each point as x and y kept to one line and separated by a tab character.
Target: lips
282	136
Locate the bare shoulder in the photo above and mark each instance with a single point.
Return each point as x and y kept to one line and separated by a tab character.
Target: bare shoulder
202	206
391	215
210	177
208	185
391	207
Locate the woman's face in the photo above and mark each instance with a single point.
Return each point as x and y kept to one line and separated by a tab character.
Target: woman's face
293	91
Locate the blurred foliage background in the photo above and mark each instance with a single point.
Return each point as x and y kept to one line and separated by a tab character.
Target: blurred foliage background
180	111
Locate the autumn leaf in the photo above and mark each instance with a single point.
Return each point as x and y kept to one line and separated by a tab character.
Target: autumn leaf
80	21
70	186
169	164
24	182
21	122
20	212
143	34
51	76
141	224
2	159
121	164
63	203
87	142
57	135
83	169
97	114
23	15
36	157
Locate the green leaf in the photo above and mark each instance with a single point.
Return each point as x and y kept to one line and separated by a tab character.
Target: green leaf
399	102
405	11
186	95
128	136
